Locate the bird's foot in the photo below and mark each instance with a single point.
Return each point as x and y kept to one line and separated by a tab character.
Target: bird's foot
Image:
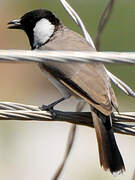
50	107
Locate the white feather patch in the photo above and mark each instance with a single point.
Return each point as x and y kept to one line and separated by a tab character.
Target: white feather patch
43	31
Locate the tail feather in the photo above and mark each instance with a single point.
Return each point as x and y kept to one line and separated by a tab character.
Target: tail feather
110	157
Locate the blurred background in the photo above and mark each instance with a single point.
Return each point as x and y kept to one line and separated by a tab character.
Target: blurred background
33	150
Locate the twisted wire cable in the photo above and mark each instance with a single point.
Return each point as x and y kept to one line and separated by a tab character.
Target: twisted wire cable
123	123
66	56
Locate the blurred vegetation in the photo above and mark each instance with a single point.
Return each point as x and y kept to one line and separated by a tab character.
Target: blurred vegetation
25	83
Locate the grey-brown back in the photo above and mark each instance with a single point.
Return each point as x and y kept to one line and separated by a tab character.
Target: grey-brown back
88	81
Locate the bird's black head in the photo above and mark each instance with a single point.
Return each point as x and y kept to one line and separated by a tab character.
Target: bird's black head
39	26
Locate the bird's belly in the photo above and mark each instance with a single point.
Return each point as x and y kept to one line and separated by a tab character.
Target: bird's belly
61	88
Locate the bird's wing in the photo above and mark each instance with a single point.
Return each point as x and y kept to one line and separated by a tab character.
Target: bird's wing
88	81
91	83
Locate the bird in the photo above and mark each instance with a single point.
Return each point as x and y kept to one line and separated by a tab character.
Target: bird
87	82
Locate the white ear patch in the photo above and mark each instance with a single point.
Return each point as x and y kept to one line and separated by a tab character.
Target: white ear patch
42	31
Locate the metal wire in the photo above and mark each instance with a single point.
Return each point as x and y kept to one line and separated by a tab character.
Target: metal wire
66	56
78	21
123	123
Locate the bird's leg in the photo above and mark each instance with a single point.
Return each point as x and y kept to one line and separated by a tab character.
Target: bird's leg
51	106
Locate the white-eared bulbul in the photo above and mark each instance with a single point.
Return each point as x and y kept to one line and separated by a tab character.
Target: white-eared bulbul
89	82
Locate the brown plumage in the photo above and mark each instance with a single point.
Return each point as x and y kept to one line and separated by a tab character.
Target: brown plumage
89	82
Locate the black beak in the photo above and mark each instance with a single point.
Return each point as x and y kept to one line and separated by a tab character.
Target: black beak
15	24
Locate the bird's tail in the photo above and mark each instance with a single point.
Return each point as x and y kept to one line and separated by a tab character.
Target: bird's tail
110	157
